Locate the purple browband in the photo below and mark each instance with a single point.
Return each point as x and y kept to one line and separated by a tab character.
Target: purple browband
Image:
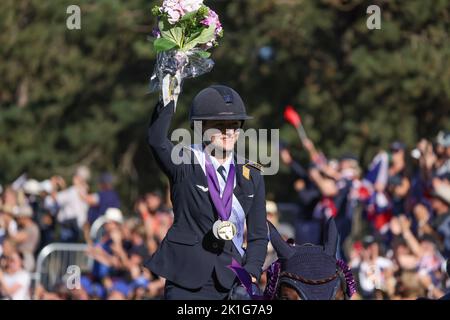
273	276
349	280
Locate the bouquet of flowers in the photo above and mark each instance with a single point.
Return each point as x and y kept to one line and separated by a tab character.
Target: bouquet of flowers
186	30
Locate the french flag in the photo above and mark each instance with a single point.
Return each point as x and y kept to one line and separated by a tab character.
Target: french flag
378	170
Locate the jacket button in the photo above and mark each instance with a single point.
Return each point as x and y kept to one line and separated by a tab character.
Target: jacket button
215	245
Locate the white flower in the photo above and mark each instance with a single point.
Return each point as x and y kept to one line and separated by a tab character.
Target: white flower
191	5
174	15
171	4
176	9
173	10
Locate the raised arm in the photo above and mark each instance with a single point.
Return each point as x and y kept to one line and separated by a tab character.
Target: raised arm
409	237
327	187
158	140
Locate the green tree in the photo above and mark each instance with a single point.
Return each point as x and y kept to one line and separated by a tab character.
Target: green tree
81	96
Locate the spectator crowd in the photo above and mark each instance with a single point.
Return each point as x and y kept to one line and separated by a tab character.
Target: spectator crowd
393	219
34	214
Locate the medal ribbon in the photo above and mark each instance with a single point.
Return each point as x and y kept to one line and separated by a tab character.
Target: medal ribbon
222	204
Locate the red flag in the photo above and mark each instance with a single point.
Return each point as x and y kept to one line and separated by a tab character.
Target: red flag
291	116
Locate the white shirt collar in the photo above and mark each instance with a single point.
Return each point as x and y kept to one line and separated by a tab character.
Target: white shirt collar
226	164
200	156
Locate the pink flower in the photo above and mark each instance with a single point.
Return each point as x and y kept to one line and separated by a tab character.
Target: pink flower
218	27
213	19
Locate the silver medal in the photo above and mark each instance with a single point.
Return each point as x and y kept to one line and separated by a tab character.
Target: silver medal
225	230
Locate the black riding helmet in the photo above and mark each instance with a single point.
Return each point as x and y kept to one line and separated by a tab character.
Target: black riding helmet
218	102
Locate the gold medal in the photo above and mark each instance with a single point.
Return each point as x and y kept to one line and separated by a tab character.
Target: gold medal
225	230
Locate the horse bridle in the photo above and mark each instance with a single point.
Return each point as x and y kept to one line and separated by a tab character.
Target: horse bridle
308	281
343	272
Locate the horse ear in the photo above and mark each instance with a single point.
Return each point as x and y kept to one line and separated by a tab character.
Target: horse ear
330	238
281	247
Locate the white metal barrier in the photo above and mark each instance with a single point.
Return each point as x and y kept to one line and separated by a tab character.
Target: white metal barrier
54	259
96	231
